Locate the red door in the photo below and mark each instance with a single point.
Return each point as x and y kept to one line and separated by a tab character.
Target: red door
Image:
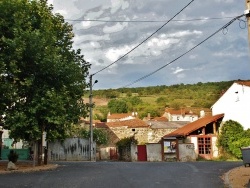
142	153
113	154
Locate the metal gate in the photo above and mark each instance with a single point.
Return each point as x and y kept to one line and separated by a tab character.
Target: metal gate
142	152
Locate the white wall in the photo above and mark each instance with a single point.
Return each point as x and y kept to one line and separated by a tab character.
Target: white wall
154	152
187	152
235	104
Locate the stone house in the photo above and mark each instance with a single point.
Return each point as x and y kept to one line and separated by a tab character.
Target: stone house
235	104
121	117
180	115
202	134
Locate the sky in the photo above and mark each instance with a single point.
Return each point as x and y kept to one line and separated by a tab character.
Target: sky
141	43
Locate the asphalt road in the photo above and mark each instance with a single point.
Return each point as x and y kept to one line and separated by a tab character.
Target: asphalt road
124	175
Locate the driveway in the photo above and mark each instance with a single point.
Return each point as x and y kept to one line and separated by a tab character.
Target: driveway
124	175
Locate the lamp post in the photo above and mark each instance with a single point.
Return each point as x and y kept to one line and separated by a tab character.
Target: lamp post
91	117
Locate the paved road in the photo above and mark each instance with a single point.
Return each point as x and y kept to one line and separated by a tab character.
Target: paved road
124	175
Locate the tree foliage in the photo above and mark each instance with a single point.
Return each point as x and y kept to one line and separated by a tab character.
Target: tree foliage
126	142
232	137
118	106
42	79
99	135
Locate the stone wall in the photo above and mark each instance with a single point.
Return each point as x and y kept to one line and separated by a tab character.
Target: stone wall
143	135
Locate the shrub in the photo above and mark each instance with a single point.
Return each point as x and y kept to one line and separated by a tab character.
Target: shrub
232	138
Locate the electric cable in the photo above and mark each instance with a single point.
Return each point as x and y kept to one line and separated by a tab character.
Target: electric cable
221	29
143	40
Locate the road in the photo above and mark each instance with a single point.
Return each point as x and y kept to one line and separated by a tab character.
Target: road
123	175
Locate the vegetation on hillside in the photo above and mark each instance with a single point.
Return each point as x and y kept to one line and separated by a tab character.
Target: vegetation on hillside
155	99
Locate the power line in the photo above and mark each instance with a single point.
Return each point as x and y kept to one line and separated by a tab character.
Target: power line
144	39
149	21
222	28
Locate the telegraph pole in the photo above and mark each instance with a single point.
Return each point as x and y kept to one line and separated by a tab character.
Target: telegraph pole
91	119
91	145
247	13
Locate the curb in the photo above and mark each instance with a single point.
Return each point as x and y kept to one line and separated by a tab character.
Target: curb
226	179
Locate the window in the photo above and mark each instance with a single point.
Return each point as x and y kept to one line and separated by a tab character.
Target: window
204	145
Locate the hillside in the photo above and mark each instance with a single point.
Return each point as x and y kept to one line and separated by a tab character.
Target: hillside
154	99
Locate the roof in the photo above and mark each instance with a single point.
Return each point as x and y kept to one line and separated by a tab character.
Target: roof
179	112
132	123
164	119
166	124
187	129
120	116
245	83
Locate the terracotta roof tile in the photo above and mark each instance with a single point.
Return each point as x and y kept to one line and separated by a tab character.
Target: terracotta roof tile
178	112
185	130
246	83
119	116
132	123
160	119
101	125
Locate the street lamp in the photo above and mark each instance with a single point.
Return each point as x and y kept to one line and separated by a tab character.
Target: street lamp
91	117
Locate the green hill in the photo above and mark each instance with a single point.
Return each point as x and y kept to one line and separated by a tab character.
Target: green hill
154	99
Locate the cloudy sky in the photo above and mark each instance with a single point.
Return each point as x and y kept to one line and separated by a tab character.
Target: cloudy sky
106	30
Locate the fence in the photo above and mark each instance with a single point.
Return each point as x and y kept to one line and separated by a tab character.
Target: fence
71	149
23	154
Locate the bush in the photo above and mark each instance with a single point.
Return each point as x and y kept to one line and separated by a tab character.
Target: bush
13	156
232	138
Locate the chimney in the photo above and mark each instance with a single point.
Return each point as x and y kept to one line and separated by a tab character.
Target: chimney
202	113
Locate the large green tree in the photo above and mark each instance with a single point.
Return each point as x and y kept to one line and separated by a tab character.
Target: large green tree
42	78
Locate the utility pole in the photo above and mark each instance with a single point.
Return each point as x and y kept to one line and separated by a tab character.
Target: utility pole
91	117
247	13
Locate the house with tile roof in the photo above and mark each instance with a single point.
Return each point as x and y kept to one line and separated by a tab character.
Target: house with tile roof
235	104
180	115
201	134
121	117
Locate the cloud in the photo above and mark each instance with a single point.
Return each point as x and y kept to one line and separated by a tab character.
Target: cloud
116	5
102	43
177	70
113	54
115	28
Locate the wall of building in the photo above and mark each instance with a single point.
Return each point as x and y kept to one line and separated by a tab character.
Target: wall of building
235	105
186	152
143	135
134	151
215	149
154	152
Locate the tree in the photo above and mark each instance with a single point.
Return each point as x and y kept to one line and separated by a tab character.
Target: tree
100	136
117	106
42	78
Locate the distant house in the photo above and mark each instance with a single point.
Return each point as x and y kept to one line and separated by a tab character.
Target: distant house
121	116
180	115
235	104
201	135
128	128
